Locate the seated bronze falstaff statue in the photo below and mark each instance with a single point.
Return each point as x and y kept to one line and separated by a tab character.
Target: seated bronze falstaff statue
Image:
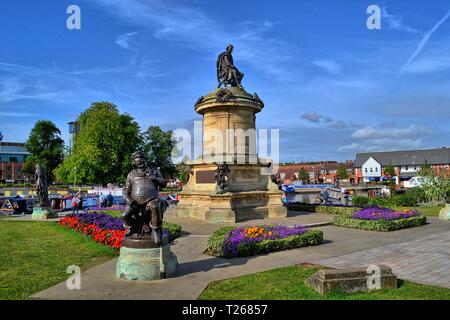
144	215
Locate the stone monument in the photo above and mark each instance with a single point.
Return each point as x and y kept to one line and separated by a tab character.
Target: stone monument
351	280
43	210
145	253
229	183
444	214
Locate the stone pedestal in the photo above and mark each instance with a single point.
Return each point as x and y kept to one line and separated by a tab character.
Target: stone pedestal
43	213
444	214
229	116
144	263
349	280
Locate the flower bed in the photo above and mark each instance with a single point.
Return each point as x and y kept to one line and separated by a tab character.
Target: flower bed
232	242
381	219
107	229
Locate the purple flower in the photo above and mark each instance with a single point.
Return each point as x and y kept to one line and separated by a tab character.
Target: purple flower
376	214
248	235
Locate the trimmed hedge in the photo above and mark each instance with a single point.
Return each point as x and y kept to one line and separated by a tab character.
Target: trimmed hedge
380	225
345	210
410	198
215	243
173	229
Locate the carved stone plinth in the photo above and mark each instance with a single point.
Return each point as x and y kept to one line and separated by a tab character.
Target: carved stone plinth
229	116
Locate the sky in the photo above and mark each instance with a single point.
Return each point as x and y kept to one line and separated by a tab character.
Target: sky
332	86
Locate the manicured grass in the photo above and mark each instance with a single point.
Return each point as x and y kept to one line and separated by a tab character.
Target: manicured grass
287	284
426	211
35	255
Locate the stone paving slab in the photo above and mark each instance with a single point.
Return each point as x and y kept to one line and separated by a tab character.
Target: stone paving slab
425	260
196	269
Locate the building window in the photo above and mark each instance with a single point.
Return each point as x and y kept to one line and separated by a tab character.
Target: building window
365	170
376	169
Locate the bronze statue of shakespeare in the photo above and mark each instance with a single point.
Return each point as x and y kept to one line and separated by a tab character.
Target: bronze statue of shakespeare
41	185
144	214
227	72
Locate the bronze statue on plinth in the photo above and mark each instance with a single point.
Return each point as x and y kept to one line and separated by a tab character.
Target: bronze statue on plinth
227	72
41	185
144	215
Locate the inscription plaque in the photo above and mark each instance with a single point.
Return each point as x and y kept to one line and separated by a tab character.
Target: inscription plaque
207	176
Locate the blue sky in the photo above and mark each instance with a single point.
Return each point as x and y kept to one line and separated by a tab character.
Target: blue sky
332	86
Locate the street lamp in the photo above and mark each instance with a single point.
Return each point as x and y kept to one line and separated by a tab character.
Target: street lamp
75	180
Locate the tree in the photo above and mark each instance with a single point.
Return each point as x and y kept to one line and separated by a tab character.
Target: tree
159	146
183	170
303	175
389	170
46	147
436	185
102	153
425	170
342	173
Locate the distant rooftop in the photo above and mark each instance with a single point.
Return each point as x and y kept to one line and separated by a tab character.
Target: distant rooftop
407	157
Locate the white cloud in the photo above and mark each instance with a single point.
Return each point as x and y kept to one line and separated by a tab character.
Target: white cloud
329	66
396	22
391	133
312	116
424	41
125	40
386	139
192	28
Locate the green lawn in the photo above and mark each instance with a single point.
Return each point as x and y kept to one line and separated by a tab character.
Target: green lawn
35	255
426	211
287	284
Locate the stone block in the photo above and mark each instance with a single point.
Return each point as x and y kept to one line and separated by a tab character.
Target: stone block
444	214
43	213
350	280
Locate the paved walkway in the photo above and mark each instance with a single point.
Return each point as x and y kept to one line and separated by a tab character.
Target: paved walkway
196	270
425	260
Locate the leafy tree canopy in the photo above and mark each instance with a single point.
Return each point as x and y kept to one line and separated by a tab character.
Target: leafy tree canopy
159	146
46	147
103	148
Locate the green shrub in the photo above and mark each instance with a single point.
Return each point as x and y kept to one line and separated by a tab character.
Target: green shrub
215	241
173	229
322	209
380	225
310	238
302	207
360	201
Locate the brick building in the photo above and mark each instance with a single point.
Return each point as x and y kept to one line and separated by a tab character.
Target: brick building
370	166
320	172
12	158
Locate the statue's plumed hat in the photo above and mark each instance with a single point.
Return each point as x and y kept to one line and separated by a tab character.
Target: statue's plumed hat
137	154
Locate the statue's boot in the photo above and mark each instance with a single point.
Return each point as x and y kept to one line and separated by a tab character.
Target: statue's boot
157	234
